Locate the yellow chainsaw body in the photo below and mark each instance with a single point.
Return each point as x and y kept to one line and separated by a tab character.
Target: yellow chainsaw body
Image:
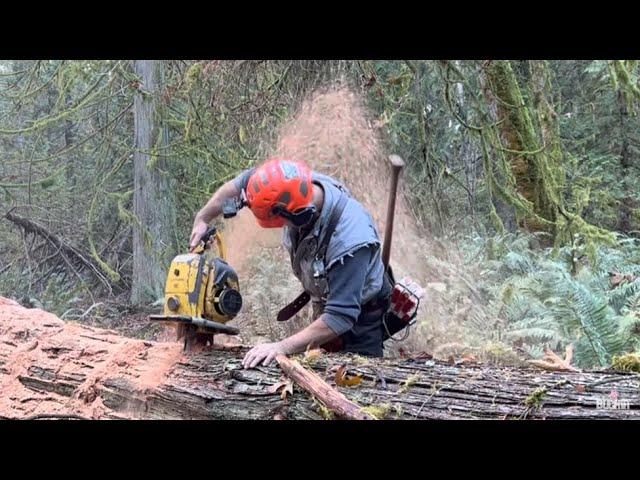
202	292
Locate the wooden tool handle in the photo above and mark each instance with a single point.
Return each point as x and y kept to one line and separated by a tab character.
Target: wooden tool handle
396	166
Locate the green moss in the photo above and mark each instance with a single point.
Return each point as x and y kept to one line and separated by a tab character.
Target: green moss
360	360
535	399
622	71
531	171
193	75
325	412
507	293
496	221
121	199
379	412
384	411
626	363
44	183
409	382
499	352
104	266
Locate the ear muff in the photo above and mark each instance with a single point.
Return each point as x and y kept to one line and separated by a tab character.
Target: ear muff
300	218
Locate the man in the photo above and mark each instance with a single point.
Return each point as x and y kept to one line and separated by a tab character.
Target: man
342	272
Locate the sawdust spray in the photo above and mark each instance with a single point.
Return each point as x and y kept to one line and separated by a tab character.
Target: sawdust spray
334	133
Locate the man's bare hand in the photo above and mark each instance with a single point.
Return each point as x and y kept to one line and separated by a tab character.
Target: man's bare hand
265	352
199	229
315	334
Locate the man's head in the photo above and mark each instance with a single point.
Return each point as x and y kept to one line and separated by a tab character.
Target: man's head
280	192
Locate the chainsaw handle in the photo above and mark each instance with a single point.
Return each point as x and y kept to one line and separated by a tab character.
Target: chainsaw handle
204	239
208	234
212	232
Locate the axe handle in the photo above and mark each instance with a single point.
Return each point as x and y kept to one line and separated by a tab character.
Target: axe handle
396	166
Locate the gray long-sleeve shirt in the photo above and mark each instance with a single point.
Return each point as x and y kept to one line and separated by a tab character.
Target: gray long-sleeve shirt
348	280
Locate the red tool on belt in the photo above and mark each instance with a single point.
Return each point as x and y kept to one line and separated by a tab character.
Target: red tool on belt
405	299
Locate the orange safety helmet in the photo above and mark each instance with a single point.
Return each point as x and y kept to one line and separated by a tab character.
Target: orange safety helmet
279	190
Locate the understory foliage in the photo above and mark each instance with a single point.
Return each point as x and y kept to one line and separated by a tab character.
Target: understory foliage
536	298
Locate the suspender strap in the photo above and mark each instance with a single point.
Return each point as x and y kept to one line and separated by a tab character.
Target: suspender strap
294	307
331	227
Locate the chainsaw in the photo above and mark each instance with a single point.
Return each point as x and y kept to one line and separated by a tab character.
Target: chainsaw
202	294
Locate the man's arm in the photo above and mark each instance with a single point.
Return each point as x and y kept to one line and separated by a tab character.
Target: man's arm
213	207
314	335
346	281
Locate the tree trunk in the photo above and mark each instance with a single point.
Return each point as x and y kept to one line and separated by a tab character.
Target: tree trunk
153	204
627	204
468	156
50	368
527	157
548	122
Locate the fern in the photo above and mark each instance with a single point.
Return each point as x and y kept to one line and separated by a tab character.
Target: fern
535	335
624	295
595	321
533	301
632	304
517	262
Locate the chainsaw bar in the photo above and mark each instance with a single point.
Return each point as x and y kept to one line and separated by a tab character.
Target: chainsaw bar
209	326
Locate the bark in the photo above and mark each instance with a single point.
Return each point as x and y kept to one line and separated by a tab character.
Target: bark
312	383
626	162
153	206
64	369
547	120
468	157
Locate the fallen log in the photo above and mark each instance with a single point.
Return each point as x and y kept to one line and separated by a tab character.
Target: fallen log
55	369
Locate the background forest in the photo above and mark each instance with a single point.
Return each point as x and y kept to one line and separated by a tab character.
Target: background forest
521	208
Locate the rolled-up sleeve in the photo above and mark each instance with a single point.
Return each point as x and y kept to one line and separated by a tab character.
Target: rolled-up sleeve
346	282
